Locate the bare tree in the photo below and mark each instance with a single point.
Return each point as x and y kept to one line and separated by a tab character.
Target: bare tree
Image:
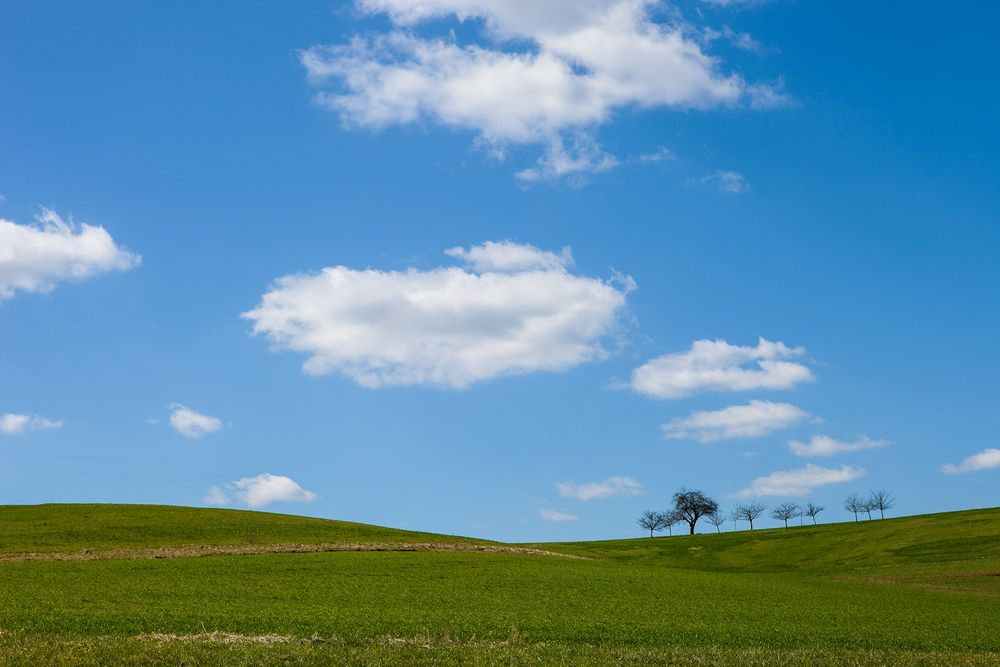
855	504
735	516
868	505
670	519
749	512
812	510
717	519
651	521
689	506
786	511
882	500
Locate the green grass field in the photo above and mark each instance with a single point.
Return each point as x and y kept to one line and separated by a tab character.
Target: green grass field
89	584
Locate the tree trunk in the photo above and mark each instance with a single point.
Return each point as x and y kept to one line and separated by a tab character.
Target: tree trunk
692	527
650	532
882	512
718	529
786	523
814	520
751	524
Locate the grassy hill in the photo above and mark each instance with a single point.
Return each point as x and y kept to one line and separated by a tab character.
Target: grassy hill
915	590
908	542
63	528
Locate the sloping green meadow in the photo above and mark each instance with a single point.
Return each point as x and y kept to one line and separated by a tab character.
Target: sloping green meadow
918	590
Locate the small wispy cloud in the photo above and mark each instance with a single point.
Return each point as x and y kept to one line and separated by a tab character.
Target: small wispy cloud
13	424
755	419
613	486
729	182
799	482
823	445
658	155
736	3
984	460
555	515
192	424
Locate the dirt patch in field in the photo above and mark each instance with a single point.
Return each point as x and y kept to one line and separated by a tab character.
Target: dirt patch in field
197	551
222	638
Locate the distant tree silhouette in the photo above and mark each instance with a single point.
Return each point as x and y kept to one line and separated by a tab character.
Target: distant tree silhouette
670	519
749	512
868	505
651	521
786	511
882	500
812	510
689	506
855	504
717	519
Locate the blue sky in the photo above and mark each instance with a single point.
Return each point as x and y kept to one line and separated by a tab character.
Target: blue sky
175	177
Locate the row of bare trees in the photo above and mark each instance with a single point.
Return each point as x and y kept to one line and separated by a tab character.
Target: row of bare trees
878	500
690	506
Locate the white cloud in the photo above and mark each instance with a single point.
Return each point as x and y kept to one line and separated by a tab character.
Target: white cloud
583	156
507	256
731	182
192	424
13	424
449	327
735	3
613	486
800	482
753	420
34	258
216	496
823	445
740	40
718	366
536	72
553	515
259	491
984	460
659	155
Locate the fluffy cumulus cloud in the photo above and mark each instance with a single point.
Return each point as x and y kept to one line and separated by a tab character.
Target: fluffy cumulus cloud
801	481
259	491
537	73
13	424
555	515
192	424
823	445
984	460
613	486
36	257
715	365
515	309
752	420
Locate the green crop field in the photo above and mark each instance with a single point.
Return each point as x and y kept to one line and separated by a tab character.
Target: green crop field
112	584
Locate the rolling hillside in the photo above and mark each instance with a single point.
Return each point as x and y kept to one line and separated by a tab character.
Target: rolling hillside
107	583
